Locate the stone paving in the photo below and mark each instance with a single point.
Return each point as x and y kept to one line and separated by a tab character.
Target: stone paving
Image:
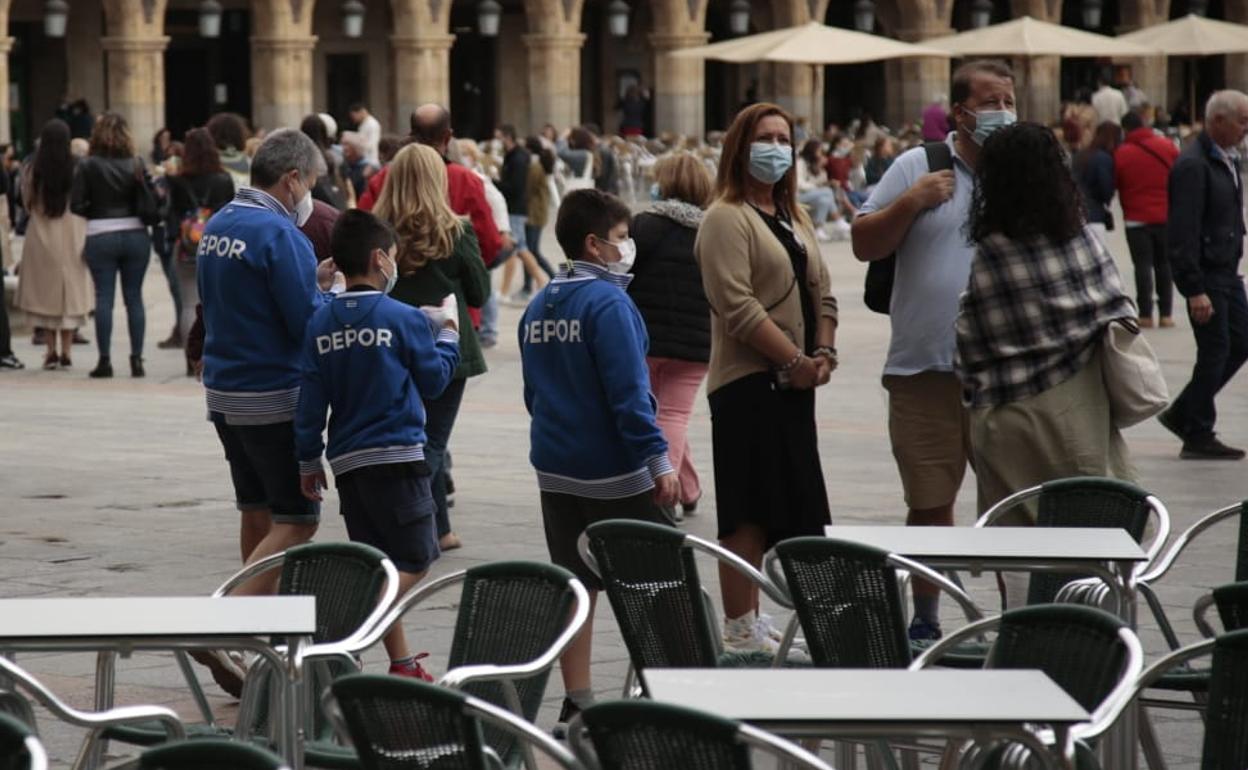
119	488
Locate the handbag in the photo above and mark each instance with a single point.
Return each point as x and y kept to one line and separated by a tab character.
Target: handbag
1132	374
146	206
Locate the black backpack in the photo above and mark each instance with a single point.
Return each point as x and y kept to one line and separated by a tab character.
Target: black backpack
878	289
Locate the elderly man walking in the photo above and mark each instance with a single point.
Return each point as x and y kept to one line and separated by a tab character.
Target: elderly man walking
1205	241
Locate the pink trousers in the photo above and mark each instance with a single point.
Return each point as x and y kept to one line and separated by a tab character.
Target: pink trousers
675	385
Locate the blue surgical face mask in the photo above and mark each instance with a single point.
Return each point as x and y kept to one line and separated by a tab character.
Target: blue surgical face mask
769	162
988	122
655	195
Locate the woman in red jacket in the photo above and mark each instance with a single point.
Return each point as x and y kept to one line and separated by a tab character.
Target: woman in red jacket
1141	170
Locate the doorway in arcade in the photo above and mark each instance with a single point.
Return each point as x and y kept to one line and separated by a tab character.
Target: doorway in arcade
204	76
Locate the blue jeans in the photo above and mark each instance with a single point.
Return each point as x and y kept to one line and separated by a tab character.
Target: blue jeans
164	250
489	321
126	252
822	200
533	236
440	414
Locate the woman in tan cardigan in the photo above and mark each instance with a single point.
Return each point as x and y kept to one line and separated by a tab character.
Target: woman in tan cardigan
773	336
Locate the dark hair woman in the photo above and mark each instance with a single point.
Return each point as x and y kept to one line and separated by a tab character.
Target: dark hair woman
1042	291
54	286
1094	172
773	331
330	187
197	192
106	192
161	143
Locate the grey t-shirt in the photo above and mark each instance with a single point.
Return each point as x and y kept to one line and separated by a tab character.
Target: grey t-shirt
933	266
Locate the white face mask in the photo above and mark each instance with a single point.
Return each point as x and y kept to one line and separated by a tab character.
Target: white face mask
627	249
392	278
303	209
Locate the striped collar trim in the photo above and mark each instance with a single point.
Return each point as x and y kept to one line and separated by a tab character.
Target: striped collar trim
581	270
251	196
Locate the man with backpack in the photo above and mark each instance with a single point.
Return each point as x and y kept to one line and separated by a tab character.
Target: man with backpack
917	213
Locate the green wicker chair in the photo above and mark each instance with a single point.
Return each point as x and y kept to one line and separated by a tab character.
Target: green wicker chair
20	748
354	584
1083	502
209	754
849	601
651	580
515	619
404	724
641	735
1092	655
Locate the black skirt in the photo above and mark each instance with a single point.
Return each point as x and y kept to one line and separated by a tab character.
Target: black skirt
767	470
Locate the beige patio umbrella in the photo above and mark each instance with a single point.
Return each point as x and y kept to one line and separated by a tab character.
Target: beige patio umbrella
1027	37
1193	36
812	43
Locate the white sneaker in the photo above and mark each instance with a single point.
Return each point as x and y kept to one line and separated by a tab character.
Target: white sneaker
840	230
744	634
769	630
823	234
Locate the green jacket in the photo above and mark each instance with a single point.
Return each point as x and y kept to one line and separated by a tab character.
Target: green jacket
463	273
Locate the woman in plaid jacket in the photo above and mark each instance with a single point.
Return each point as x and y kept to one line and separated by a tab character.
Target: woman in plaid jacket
1042	291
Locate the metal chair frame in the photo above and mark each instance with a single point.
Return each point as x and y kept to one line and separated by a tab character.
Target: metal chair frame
789	755
722	555
94	722
475	708
1102	718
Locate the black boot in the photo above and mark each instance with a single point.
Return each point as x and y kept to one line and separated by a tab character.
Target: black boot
103	369
136	366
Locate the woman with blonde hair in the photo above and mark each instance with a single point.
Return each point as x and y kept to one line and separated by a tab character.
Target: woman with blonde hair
773	337
437	255
667	289
106	191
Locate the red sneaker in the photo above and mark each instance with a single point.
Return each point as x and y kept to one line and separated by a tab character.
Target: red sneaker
413	669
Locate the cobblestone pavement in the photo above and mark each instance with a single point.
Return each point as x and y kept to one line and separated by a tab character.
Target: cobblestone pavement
118	487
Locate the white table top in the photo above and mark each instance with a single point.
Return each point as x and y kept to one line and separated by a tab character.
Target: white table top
1025	544
138	617
827	696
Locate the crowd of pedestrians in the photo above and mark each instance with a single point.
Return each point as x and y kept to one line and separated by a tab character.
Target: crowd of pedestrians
319	271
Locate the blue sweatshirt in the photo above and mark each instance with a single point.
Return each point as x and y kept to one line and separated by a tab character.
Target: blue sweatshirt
257	283
369	359
583	352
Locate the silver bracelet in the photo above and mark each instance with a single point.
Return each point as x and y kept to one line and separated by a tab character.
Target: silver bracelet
792	363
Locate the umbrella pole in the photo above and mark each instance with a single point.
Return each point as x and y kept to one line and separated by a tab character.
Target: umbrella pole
1191	90
814	101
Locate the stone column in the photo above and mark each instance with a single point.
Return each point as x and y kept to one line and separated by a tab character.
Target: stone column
555	78
798	88
679	85
6	131
281	80
136	82
917	81
1150	73
1236	12
422	70
1039	88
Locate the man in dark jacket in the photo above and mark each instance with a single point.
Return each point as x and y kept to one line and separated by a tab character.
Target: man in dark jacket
1205	239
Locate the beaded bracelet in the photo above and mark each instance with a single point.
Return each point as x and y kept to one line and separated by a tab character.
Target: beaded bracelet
792	363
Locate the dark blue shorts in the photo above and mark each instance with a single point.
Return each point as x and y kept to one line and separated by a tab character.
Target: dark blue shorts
265	471
390	507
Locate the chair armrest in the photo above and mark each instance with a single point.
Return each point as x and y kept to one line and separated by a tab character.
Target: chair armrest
385	620
788	754
366	635
775	591
1121	696
38	757
497	717
1199	611
1175	659
991	515
1159	567
972	611
946	645
93	719
462	675
248	572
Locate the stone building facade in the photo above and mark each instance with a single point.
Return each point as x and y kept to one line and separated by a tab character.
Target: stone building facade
554	61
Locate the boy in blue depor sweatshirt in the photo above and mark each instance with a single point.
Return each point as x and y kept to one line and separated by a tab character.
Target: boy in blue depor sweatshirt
370	359
597	449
